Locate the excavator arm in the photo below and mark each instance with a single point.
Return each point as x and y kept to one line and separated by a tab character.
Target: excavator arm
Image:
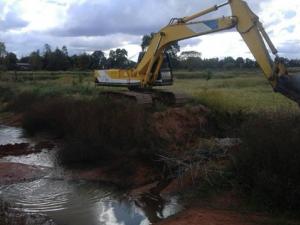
246	23
176	31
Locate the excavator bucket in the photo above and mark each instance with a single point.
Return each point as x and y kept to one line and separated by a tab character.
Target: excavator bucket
289	86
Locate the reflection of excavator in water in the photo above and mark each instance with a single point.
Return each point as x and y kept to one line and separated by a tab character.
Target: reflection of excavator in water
154	68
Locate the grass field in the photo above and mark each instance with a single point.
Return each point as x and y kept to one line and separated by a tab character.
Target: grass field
238	90
231	91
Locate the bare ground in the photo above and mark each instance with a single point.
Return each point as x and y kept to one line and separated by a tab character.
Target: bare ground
206	216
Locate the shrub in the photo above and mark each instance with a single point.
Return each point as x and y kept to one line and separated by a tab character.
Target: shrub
6	94
226	124
95	129
267	167
23	101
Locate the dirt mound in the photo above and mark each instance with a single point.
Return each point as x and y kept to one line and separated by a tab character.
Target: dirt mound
177	126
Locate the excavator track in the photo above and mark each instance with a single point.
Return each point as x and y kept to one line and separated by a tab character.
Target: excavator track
149	97
169	98
138	97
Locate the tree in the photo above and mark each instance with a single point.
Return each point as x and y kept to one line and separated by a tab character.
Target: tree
240	62
98	60
65	50
249	63
24	59
10	61
118	59
83	61
64	57
172	49
146	41
228	63
47	56
190	54
56	60
35	60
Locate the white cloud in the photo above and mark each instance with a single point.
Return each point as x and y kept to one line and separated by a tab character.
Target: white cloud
280	18
106	24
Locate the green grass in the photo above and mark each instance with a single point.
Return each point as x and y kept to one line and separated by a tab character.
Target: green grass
231	91
249	92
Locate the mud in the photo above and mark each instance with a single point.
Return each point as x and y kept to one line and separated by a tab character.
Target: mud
15	173
140	176
206	216
24	148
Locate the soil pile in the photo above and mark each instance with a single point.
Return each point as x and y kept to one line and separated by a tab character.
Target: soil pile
178	126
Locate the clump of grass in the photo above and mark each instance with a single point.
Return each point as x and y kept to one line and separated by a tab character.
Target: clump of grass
22	102
6	93
94	129
226	123
267	167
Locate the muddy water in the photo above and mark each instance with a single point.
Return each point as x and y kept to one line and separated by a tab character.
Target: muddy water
77	202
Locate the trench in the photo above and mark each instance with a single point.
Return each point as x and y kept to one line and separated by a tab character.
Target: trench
76	201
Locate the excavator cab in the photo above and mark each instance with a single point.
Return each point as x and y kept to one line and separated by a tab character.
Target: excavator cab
165	75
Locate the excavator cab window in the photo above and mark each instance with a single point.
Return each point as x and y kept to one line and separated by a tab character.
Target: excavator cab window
165	76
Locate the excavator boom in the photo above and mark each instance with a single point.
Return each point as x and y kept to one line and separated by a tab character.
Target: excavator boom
149	71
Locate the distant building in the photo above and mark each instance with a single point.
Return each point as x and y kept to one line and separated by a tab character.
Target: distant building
23	66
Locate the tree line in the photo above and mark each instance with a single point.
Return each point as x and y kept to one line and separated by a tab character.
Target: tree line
60	60
192	60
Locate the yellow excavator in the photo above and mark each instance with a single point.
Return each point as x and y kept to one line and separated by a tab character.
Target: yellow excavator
153	68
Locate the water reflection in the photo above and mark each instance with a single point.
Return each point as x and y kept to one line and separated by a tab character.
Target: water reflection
45	158
77	202
82	202
11	135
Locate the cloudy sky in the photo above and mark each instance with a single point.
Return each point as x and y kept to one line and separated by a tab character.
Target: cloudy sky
89	25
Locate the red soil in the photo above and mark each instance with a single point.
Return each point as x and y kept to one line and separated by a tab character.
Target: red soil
15	173
203	216
177	125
